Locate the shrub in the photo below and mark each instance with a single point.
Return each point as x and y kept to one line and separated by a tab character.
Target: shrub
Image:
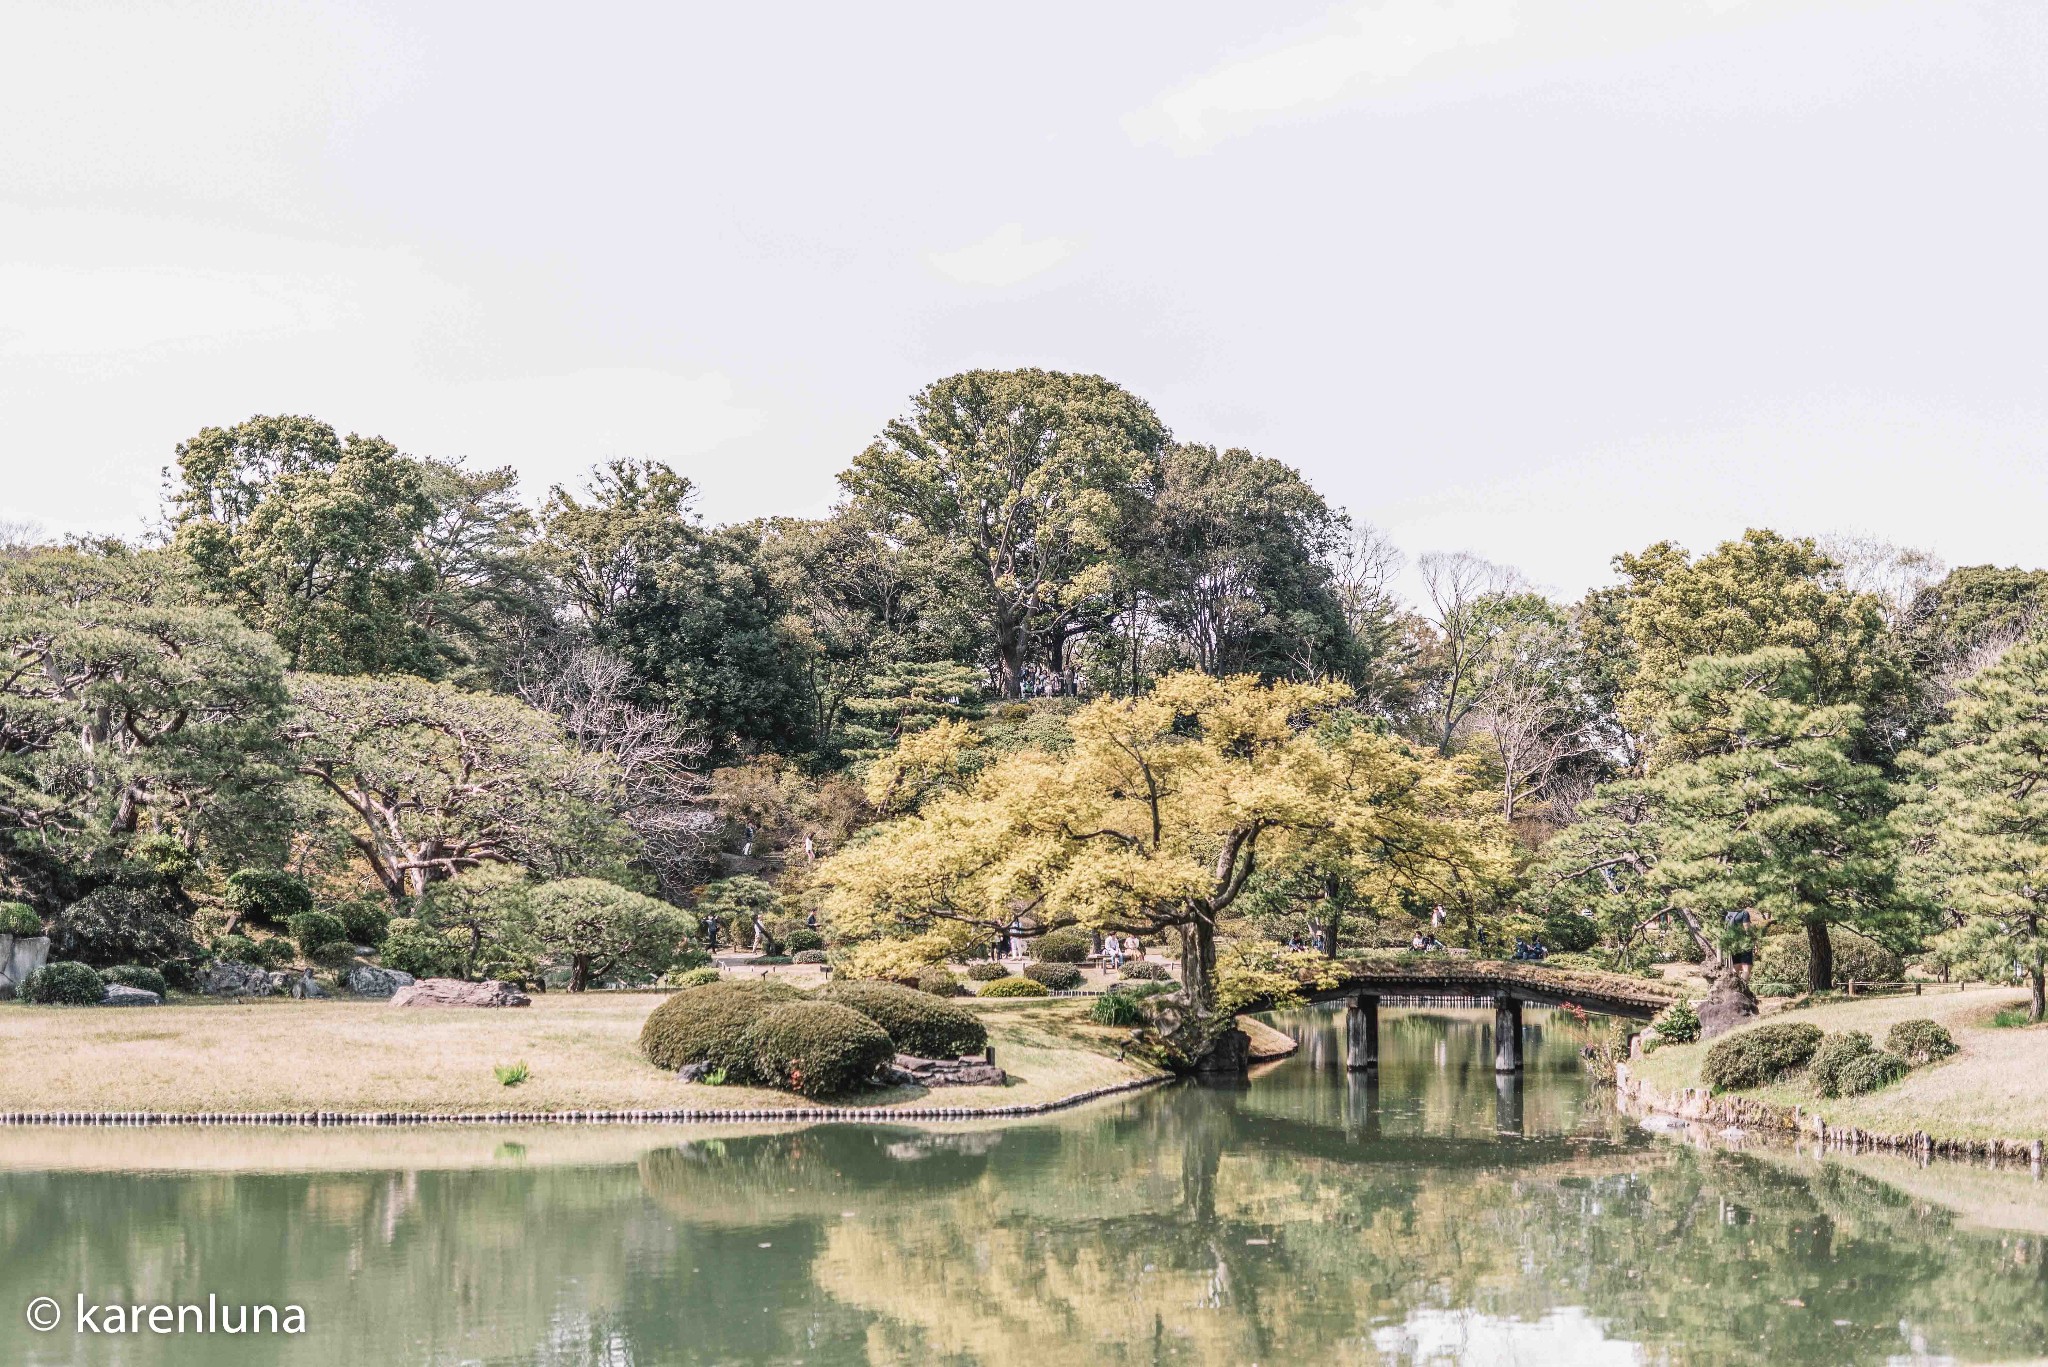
64	983
797	941
274	951
1759	1055
311	929
1145	972
1782	960
19	918
510	1074
690	977
123	925
808	956
1585	963
773	961
1678	1023
268	896
1015	987
238	949
1067	945
704	1024
413	948
1835	1053
987	971
1868	1072
920	1023
1920	1041
1116	1008
940	983
134	975
815	1048
368	920
1058	977
333	954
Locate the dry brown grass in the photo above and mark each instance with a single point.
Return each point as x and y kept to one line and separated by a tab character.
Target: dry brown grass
366	1056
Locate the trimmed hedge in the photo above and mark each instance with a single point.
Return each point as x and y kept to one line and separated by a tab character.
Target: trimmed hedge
1920	1041
1058	977
19	918
920	1023
987	970
706	1024
691	977
815	1048
804	938
64	983
134	975
1145	971
1868	1072
123	925
1067	945
1015	987
1783	959
808	956
1835	1054
940	983
312	929
1759	1055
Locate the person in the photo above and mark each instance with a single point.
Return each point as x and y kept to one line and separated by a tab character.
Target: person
1743	948
1417	944
760	932
1016	938
811	921
1320	940
1113	951
710	934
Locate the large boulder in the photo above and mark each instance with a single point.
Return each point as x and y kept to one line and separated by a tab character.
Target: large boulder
227	978
455	992
120	994
20	955
1729	1003
909	1070
303	986
367	980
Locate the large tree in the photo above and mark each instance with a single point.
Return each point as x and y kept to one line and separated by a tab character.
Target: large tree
1032	484
1157	818
1976	824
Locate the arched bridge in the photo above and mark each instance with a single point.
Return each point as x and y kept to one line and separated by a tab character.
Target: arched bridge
1508	986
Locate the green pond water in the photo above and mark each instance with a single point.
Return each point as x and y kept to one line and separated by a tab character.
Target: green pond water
1433	1214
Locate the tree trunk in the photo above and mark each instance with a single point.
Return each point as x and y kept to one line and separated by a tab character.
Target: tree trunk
1198	965
1820	957
579	973
2039	1008
1011	642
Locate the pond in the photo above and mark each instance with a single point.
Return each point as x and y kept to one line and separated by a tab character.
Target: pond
1432	1214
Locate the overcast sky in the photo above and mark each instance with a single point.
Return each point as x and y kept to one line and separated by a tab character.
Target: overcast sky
1542	281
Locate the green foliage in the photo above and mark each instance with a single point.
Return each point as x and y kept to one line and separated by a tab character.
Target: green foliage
1760	1054
801	939
1835	1053
603	930
135	975
368	919
1869	1072
1785	959
2011	1017
19	918
691	977
415	948
815	1048
312	929
1145	971
510	1074
940	983
918	1022
809	956
1678	1023
238	949
124	925
1057	977
705	1024
267	896
987	970
1920	1041
1015	987
487	913
63	983
903	698
1067	945
1116	1008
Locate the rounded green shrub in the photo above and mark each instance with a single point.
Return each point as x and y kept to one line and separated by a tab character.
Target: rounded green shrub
124	925
940	983
704	1024
267	896
1067	945
312	929
1783	960
987	970
690	977
414	948
1836	1052
333	954
1015	987
19	918
1058	977
815	1048
919	1022
1868	1072
64	983
239	949
368	920
1758	1055
1678	1023
1145	971
804	938
274	951
1116	1008
808	956
134	975
1920	1041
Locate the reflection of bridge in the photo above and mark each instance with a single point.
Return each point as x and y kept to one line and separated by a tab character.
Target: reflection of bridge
1366	983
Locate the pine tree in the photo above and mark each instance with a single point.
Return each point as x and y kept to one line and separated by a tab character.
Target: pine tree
1977	826
903	699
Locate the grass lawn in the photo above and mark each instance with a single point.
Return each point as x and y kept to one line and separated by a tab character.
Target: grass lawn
281	1055
1990	1090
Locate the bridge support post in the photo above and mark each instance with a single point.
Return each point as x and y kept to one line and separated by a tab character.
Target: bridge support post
1362	1034
1507	1033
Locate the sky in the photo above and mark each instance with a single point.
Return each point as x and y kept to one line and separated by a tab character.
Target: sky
1539	281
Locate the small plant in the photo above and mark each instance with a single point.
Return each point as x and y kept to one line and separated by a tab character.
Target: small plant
1764	1053
64	983
987	971
1920	1041
1056	976
1016	987
238	949
1116	1008
1835	1054
772	961
19	918
510	1074
134	975
1143	971
2011	1018
1678	1023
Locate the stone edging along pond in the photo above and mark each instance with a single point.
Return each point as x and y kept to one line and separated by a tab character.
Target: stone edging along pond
862	1115
1700	1105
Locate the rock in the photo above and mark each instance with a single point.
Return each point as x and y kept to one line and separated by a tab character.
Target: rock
303	986
120	994
1229	1055
455	992
20	955
367	980
1729	1003
229	979
692	1072
908	1070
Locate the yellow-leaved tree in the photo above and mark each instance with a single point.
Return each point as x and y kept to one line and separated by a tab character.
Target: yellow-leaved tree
1158	815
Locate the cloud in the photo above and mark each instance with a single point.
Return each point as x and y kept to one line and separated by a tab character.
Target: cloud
1002	258
96	311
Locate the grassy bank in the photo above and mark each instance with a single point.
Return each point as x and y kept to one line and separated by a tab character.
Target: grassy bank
1990	1090
582	1053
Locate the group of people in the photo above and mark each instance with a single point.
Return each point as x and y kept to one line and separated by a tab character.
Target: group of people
1425	942
1316	941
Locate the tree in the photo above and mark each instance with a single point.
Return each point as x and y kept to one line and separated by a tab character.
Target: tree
488	911
1468	598
1029	482
1157	819
602	929
1976	823
1529	711
437	781
1377	652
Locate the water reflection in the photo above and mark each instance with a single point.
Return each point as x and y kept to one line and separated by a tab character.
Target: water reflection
1430	1212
